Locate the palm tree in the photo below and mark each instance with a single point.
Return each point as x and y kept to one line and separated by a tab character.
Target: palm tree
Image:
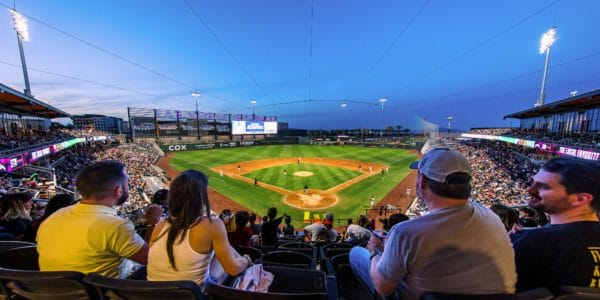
398	127
389	129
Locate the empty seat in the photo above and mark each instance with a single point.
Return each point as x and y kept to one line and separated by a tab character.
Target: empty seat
444	296
575	292
45	285
253	252
333	249
288	284
289	259
111	288
20	258
7	245
300	247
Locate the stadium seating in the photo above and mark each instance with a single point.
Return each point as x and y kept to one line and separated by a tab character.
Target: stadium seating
19	284
575	292
7	245
333	249
20	258
253	252
288	284
444	296
300	247
289	259
111	288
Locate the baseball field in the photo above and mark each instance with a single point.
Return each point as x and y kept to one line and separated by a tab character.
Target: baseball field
300	178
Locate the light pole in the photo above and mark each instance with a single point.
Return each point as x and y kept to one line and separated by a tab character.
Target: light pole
253	102
382	101
196	95
20	25
546	43
343	106
449	123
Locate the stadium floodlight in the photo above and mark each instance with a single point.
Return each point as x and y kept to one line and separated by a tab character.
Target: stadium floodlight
449	123
546	43
196	95
573	93
343	106
20	26
253	102
382	101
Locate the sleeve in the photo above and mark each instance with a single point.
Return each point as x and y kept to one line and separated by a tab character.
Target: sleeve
527	252
125	241
392	265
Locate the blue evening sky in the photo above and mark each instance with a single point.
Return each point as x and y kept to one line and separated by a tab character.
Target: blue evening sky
475	60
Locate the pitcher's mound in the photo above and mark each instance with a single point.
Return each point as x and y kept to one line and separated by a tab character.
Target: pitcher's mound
311	201
303	173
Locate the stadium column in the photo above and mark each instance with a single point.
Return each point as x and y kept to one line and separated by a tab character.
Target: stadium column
130	123
230	128
157	132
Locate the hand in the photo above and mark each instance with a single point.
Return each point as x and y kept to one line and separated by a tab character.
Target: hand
153	213
249	259
516	228
375	243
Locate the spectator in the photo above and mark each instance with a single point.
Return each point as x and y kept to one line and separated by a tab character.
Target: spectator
57	202
288	228
507	215
357	233
458	247
89	236
242	233
564	252
255	227
15	211
397	218
323	232
270	228
182	245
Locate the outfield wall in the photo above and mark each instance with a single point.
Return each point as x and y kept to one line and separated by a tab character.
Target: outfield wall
219	145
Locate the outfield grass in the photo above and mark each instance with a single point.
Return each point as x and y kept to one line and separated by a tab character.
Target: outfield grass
352	200
324	177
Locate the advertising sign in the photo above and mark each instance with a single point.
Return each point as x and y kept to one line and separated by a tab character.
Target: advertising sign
253	127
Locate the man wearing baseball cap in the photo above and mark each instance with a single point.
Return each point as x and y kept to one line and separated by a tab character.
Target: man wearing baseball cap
459	247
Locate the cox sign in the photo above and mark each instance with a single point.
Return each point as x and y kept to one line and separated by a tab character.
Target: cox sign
177	147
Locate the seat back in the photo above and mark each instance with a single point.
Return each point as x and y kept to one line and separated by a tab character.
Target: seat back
7	245
253	252
45	285
289	259
288	284
20	258
301	247
331	250
575	292
444	296
113	289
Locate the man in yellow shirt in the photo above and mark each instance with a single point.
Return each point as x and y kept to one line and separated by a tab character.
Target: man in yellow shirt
89	236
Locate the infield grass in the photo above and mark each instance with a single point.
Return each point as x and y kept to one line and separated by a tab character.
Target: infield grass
352	200
323	178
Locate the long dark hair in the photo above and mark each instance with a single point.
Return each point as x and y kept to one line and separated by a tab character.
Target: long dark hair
188	201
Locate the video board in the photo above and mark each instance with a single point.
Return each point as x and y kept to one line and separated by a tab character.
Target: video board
253	127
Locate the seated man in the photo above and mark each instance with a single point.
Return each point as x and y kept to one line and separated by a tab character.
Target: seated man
322	231
357	234
89	236
459	247
567	252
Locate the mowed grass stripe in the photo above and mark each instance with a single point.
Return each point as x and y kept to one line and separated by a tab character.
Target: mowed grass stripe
324	177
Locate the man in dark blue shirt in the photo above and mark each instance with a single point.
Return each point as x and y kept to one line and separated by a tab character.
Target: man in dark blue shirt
566	252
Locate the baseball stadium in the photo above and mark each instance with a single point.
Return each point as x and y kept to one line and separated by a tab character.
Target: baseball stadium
221	150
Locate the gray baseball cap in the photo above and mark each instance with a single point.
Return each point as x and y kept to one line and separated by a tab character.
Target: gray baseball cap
438	163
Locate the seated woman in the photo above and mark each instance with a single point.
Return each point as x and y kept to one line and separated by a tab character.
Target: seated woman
242	233
14	213
182	246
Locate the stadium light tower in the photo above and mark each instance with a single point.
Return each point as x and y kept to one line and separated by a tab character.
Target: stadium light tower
196	95
253	102
343	106
546	43
449	123
382	101
20	25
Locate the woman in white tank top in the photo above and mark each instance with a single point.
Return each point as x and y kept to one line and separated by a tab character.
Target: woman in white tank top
182	246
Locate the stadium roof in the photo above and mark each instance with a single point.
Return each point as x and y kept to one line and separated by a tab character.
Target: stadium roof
15	102
577	102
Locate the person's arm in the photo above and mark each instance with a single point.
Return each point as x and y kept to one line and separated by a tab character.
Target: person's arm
153	213
387	267
141	256
224	252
